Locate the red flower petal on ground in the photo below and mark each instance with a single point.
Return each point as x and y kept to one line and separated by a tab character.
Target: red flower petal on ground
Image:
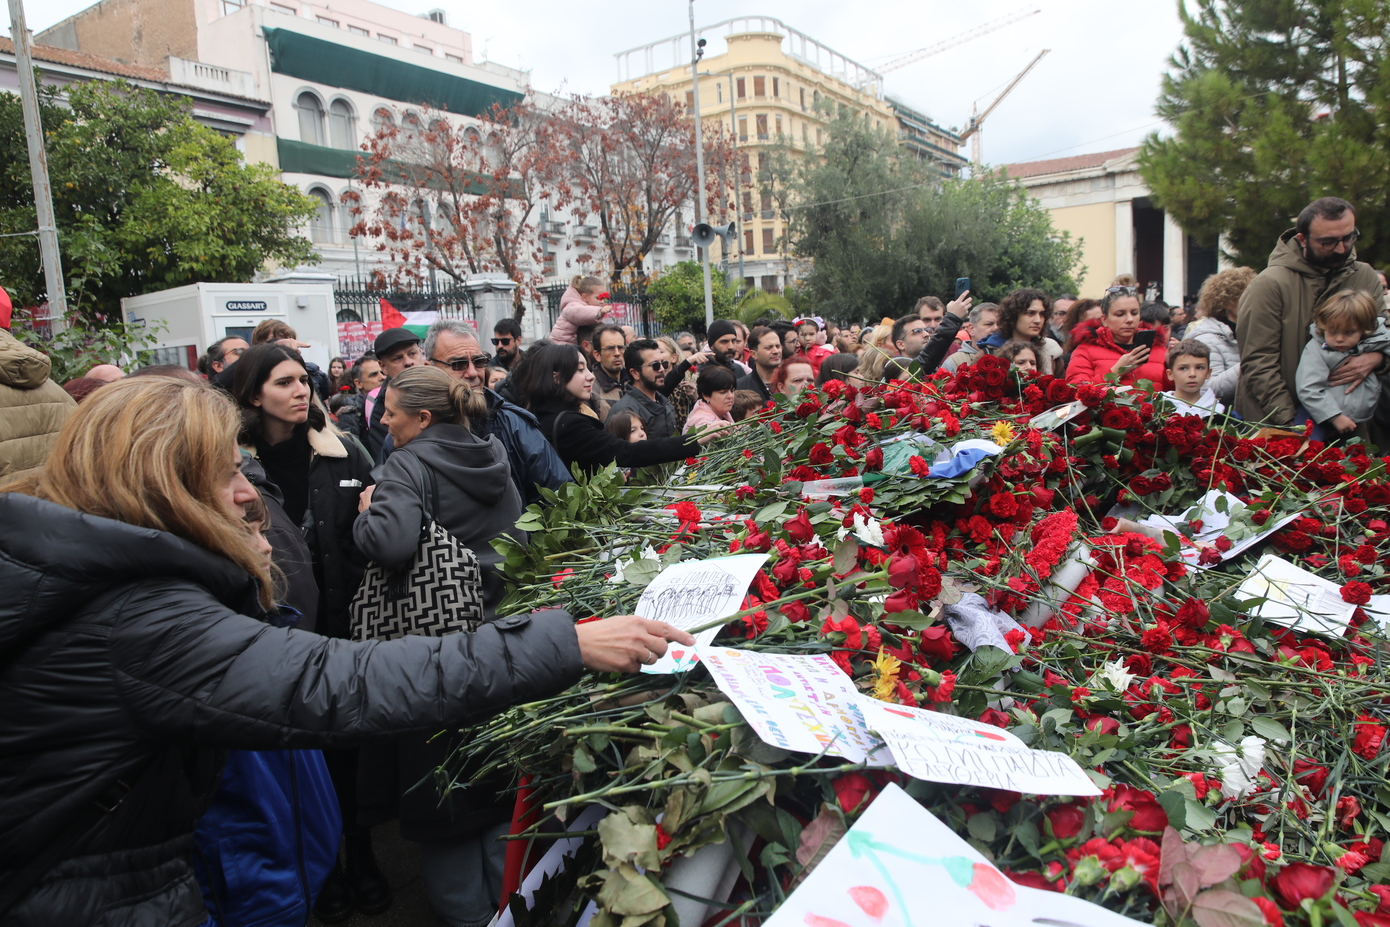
1298	881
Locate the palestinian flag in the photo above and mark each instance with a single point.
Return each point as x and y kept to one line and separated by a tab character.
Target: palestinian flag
417	315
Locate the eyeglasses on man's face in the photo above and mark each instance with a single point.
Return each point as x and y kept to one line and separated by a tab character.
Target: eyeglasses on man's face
1327	244
235	352
460	364
502	342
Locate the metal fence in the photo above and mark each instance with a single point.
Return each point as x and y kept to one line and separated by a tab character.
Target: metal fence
359	300
630	308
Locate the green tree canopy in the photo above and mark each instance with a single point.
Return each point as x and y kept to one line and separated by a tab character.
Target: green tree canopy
881	230
146	198
1275	103
678	296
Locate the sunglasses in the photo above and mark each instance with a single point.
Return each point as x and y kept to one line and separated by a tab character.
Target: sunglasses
1129	290
659	365
501	342
463	363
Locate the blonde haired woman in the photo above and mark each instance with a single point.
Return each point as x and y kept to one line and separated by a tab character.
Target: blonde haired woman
1216	328
878	351
134	655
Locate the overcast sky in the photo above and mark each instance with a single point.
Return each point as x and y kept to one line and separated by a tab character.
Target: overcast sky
1094	92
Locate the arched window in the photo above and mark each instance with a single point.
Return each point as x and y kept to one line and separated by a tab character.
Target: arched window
310	119
340	124
382	118
321	225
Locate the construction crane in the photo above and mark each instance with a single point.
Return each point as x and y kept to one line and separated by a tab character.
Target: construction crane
972	131
913	57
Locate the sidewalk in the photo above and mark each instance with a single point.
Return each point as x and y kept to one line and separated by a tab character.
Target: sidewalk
400	863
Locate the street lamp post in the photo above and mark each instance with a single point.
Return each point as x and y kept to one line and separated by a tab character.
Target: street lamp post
733	131
696	52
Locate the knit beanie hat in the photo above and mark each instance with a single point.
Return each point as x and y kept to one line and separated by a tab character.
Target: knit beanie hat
718	329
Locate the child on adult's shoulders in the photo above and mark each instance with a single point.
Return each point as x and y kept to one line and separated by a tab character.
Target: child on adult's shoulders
1189	366
1345	324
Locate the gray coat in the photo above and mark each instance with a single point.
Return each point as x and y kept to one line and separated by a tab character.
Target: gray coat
1324	403
1225	355
477	502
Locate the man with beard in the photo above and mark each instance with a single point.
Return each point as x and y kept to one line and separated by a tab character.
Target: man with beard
723	341
506	343
1311	262
767	357
610	373
647	365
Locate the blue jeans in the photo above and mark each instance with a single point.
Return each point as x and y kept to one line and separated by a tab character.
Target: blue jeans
463	878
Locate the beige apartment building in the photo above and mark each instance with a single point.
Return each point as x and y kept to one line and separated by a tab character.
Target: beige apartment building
773	86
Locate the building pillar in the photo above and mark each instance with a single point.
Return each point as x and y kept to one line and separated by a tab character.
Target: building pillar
1124	237
492	296
1174	261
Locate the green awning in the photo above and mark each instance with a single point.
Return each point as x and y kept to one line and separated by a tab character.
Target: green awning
337	65
301	158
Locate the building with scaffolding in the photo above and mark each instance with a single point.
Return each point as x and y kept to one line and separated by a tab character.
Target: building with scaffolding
773	87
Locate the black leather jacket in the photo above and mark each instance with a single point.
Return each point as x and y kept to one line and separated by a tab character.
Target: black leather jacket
128	654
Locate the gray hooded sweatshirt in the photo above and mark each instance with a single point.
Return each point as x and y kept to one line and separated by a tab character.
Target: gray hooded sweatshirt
1324	403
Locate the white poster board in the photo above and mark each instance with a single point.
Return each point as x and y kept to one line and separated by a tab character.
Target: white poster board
694	593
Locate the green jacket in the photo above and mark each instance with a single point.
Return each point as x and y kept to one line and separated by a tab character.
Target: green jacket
32	408
1272	322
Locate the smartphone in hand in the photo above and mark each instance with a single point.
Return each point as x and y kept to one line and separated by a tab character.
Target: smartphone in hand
1146	338
962	284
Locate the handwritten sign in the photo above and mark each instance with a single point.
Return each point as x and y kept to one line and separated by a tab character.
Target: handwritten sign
943	748
694	593
899	865
796	702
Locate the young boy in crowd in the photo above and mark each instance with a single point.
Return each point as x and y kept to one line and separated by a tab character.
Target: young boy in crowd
1347	323
1189	366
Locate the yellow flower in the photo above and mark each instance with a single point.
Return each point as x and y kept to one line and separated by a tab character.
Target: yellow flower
886	677
1002	432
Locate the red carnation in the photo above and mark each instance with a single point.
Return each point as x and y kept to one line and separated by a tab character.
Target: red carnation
1298	881
1357	593
918	466
1270	910
1003	505
1369	736
1149	816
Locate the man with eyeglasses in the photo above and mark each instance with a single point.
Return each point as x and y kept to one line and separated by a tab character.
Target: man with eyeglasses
1311	262
647	367
223	354
611	379
1057	320
451	346
506	343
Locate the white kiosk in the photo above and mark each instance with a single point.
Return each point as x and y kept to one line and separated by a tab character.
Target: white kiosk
199	314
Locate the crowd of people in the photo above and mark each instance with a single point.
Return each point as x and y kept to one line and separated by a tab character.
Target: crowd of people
186	554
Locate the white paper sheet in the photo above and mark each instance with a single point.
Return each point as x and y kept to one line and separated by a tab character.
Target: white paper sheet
1296	598
693	593
796	702
1213	524
901	867
943	748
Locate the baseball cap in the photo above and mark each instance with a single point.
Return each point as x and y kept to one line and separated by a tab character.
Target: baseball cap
393	338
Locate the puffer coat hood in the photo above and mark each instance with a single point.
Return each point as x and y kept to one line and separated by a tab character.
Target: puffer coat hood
32	408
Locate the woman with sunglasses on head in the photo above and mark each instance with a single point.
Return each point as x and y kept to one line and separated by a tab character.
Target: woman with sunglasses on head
1107	345
556	386
137	650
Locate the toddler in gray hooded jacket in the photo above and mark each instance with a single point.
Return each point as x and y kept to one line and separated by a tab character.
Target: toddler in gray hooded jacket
1345	324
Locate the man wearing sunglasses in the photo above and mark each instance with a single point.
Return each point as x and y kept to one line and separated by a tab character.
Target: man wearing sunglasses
506	343
451	346
647	365
1310	262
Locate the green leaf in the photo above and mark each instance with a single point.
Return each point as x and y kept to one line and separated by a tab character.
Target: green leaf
641	572
1199	817
1175	805
769	512
982	826
1270	729
910	619
846	554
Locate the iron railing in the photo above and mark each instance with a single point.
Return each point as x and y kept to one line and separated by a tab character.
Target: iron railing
358	299
632	308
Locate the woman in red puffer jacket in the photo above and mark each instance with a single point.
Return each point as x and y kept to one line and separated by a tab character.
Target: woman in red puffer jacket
1106	345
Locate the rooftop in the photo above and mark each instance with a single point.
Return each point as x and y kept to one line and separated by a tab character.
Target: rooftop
77	59
1066	165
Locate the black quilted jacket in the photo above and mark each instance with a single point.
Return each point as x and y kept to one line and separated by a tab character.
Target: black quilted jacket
127	653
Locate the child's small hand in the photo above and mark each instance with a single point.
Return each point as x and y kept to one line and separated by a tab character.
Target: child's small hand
1343	424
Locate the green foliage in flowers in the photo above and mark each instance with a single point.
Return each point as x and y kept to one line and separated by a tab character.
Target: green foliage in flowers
146	199
678	296
881	230
1274	105
1242	763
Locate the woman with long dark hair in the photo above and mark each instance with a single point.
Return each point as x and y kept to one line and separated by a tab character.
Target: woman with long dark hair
556	386
135	653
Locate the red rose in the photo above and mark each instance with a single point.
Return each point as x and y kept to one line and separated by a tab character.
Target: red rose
993	716
851	789
799	528
796	612
1367	919
1297	881
1034	880
1369	737
937	643
902	571
1149	816
1270	910
873	459
1193	614
1103	725
1357	593
1066	820
821	455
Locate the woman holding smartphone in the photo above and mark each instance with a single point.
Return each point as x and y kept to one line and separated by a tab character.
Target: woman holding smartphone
1115	343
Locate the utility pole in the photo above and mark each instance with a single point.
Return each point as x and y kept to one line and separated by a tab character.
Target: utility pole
38	168
696	52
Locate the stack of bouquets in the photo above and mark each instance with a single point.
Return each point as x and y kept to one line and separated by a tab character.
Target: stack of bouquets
1242	764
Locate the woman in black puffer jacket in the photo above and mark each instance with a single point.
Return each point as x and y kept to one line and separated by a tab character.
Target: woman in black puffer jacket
132	659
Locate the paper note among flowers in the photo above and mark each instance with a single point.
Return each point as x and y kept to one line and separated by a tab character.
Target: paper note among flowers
1295	598
1215	511
796	702
944	748
694	593
899	866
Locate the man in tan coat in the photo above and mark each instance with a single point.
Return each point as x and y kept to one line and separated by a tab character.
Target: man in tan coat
32	408
1311	261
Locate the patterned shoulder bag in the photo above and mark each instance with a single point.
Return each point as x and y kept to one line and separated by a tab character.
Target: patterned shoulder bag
439	592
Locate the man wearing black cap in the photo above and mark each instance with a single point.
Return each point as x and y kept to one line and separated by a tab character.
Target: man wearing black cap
723	341
397	350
